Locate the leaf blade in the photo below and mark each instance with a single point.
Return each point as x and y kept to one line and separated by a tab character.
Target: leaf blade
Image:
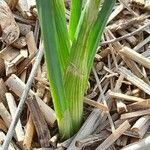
49	34
76	7
62	32
76	72
97	29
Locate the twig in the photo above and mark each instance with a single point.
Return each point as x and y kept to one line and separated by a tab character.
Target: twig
103	99
2	137
140	145
25	63
141	125
134	79
135	114
92	139
12	108
124	97
95	104
131	64
47	111
129	53
141	44
121	107
39	122
123	24
132	40
31	43
115	13
5	115
3	90
114	136
126	5
139	105
29	134
22	100
126	36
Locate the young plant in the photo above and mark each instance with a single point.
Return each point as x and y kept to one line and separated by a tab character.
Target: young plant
69	54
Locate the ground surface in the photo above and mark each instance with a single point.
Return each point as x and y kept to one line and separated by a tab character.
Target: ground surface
117	106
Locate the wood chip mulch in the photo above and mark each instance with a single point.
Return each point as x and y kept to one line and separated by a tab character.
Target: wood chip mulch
117	103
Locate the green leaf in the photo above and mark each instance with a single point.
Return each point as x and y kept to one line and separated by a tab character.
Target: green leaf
76	7
97	30
62	32
69	66
76	73
47	16
83	50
